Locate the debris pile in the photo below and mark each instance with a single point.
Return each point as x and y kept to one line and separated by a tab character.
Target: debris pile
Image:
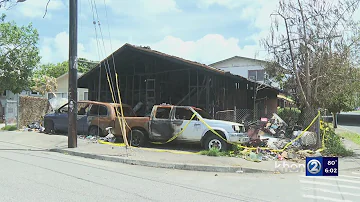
108	138
34	126
273	134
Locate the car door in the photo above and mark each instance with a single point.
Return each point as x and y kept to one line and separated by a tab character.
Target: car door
83	108
61	120
192	129
161	128
99	116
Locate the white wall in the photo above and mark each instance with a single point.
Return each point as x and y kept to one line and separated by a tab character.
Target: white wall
63	85
241	66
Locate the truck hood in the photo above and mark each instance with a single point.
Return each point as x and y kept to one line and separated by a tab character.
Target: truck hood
220	122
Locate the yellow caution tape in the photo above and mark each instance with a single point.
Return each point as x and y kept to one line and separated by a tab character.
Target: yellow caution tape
238	144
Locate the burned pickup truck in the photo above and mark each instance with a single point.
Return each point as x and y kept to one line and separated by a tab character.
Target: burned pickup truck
167	121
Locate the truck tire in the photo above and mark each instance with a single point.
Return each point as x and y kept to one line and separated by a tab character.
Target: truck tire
136	138
213	141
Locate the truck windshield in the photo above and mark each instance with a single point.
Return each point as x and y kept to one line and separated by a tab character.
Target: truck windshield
203	114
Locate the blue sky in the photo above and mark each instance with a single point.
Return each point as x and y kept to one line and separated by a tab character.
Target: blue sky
201	30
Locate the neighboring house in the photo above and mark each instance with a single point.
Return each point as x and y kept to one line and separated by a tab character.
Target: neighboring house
62	88
252	69
8	100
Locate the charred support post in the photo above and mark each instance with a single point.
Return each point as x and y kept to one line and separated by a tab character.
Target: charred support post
189	85
197	88
133	88
207	93
72	131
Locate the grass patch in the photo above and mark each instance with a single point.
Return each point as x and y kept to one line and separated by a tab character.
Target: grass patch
10	128
212	152
333	144
354	137
233	152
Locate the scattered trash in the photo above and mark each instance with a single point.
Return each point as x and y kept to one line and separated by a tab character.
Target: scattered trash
34	125
110	137
254	157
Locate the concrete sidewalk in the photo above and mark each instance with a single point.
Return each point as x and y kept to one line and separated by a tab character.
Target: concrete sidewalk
152	157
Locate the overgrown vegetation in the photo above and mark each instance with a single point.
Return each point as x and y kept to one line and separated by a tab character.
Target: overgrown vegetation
233	152
212	152
333	144
289	115
10	128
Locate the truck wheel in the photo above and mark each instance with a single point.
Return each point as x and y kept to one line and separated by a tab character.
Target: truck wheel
213	141
136	138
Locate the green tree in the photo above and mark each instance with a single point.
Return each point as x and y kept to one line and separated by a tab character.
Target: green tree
85	65
43	84
19	55
51	70
58	69
304	36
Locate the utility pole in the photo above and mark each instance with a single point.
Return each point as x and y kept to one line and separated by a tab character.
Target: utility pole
72	114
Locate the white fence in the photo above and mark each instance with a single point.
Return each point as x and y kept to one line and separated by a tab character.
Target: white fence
11	112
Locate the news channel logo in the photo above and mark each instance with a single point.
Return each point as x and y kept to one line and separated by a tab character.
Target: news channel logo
322	166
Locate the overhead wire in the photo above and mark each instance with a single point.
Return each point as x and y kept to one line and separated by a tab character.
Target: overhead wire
114	67
120	115
98	50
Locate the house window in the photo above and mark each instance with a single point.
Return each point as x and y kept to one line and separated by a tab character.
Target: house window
86	95
256	75
34	93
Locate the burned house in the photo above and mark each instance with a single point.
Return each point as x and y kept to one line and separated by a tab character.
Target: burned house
147	77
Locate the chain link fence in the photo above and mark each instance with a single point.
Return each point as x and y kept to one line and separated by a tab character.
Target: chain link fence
240	115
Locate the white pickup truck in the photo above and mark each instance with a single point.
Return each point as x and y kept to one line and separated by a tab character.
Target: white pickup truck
166	121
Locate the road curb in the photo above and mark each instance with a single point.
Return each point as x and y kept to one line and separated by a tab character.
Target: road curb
178	166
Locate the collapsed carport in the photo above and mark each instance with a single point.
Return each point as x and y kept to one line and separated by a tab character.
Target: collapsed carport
148	77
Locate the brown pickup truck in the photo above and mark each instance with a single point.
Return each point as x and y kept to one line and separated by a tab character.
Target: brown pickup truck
94	118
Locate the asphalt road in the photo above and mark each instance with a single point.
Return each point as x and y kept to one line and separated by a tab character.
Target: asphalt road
36	176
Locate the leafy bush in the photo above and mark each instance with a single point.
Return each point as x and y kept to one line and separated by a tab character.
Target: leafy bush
212	152
10	128
234	151
289	115
333	144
